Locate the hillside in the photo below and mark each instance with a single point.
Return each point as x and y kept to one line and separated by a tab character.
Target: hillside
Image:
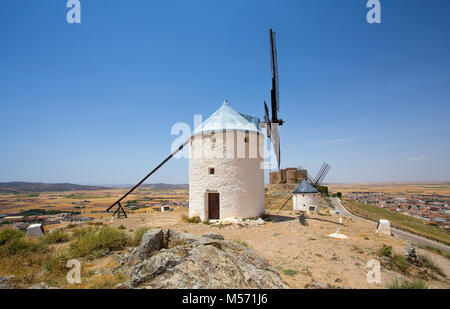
43	187
18	186
160	186
404	222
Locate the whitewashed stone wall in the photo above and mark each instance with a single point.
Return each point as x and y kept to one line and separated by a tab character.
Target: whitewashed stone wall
238	177
302	202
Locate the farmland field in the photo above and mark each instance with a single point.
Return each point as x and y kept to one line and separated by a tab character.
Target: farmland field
393	187
88	203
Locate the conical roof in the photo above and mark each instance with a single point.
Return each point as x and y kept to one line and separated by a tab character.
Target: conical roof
305	187
228	119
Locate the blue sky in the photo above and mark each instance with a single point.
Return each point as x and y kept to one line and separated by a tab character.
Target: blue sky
94	103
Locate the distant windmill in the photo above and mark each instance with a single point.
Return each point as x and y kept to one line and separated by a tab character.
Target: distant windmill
316	182
272	124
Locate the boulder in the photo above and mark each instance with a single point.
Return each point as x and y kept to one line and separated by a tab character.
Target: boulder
189	261
35	230
5	282
42	286
151	241
214	236
384	227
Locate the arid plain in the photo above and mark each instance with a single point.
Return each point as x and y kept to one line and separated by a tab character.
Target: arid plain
304	255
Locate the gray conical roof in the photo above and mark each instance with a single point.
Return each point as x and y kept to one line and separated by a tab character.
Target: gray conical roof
305	187
227	119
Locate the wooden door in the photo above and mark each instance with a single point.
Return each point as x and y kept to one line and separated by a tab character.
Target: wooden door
213	206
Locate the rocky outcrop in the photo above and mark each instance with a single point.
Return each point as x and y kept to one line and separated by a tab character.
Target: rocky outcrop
317	285
42	286
6	282
189	261
214	236
151	241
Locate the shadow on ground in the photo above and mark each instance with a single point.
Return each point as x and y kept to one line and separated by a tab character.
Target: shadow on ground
278	218
325	220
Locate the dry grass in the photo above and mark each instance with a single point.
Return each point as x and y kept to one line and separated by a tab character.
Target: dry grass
55	237
187	219
9	234
415	285
98	200
93	242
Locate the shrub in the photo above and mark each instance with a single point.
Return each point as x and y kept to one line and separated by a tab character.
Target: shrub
195	219
71	226
95	242
55	237
290	272
139	233
386	251
23	246
242	243
9	234
401	262
416	284
121	227
56	263
206	222
322	189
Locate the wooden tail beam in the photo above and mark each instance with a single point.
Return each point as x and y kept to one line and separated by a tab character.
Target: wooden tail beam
286	202
119	206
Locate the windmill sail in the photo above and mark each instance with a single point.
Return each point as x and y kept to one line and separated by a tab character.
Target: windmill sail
275	139
324	173
267	119
272	124
275	93
321	175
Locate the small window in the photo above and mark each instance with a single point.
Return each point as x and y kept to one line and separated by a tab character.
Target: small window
211	171
246	139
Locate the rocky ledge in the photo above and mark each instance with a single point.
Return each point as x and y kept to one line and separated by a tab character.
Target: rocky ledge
176	260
